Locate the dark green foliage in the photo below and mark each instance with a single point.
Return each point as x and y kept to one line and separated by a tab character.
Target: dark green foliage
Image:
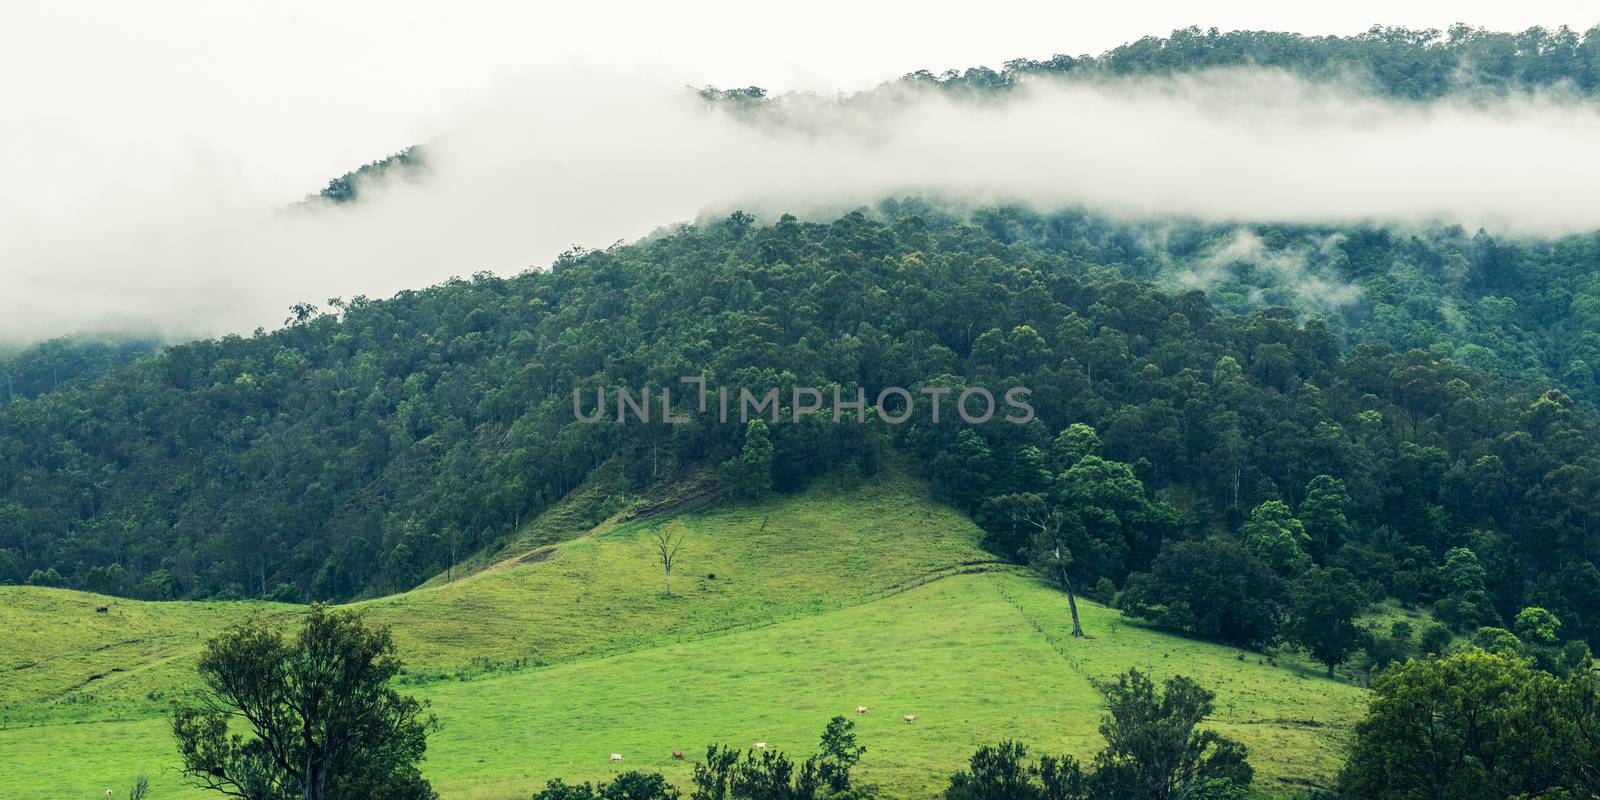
1435	639
558	789
1277	538
1115	526
1385	649
750	474
1213	588
1093	518
630	785
1000	772
1578	707
837	755
1476	724
1154	749
713	776
316	717
1323	605
637	786
727	774
1466	604
1325	515
1394	62
1496	640
963	472
767	775
47	366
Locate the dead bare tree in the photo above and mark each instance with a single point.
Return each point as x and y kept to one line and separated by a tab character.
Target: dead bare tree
667	547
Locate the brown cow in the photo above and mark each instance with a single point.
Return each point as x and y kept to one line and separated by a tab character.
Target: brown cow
677	755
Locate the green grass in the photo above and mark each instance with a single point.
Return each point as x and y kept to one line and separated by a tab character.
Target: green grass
59	648
838	597
790	557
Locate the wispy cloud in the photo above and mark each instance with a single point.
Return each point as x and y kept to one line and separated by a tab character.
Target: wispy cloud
1301	267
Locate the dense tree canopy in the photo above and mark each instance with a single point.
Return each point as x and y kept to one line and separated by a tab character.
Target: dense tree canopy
1477	724
47	366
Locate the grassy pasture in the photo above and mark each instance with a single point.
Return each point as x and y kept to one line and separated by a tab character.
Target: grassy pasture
841	596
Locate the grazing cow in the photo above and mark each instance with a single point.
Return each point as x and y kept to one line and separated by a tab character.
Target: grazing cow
677	755
861	709
761	745
909	718
616	756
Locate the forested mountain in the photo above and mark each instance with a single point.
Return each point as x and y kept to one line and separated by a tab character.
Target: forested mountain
1414	406
1527	309
34	370
344	453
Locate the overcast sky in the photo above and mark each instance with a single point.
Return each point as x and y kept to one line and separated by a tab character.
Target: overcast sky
146	148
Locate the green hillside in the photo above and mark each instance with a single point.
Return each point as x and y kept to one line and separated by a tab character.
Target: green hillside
832	547
863	593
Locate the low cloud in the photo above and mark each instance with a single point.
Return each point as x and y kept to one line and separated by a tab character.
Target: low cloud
171	242
1301	267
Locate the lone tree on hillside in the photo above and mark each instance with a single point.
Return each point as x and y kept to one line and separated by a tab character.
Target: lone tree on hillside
667	547
1048	553
1323	609
317	717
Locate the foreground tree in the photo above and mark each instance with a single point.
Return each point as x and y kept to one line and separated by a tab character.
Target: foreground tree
627	786
1155	748
319	721
837	754
1579	707
1472	725
728	774
1001	772
1154	751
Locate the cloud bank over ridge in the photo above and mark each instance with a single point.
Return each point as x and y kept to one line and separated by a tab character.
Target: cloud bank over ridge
167	240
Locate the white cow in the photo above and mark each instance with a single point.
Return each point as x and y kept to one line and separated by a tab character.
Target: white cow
761	745
909	718
861	709
616	756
